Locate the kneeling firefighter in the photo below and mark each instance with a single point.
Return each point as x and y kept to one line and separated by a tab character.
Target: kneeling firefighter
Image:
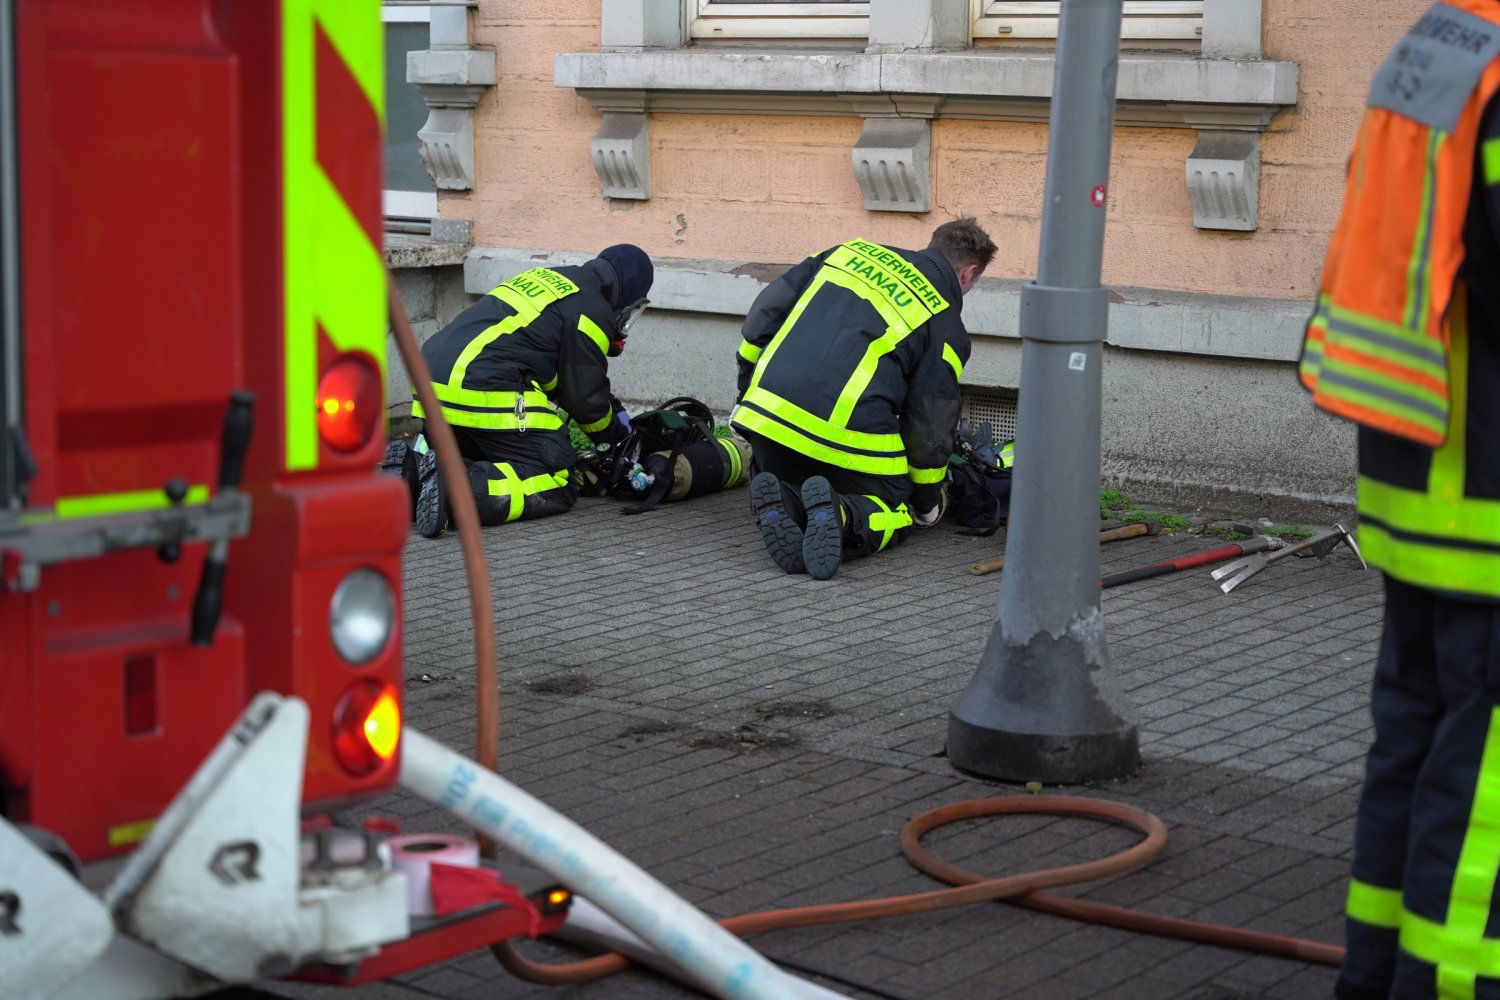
504	366
848	393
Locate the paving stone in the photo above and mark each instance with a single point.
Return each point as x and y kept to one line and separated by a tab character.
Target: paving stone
1254	726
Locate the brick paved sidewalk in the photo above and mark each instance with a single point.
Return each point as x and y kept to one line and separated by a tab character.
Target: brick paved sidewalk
757	740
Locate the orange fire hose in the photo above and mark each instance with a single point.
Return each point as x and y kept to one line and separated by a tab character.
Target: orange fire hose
1026	889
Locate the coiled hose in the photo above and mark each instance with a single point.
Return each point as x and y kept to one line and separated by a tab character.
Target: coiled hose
1026	889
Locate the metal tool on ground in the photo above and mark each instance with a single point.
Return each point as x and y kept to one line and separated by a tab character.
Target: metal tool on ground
1318	545
1121	533
1257	543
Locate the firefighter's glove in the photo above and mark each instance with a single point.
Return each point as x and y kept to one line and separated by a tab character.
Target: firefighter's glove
928	502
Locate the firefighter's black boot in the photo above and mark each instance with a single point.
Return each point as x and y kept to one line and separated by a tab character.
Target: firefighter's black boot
778	524
432	501
401	460
823	535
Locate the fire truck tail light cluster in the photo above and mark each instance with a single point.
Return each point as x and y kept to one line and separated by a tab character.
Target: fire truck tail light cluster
348	403
361	615
366	727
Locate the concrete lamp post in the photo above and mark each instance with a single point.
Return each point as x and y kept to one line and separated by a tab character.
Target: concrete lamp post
1044	704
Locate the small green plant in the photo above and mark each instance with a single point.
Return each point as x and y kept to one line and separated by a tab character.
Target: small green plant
1110	500
580	440
1116	506
1288	531
1235	536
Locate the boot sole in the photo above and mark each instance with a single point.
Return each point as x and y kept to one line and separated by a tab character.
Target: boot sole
430	514
778	530
822	539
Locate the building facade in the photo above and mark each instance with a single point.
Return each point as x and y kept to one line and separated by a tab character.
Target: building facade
730	139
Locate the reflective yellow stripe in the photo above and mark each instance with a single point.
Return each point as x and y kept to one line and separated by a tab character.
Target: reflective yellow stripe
594	333
749	351
333	275
129	833
598	425
532	399
518	489
819	280
103	504
1418	278
951	356
926	477
541	285
1370	904
830	432
1008	455
888	521
1492	161
1442	513
1445	480
1433	565
489	335
528	293
732	463
496	420
774	430
1474	877
550	384
897	329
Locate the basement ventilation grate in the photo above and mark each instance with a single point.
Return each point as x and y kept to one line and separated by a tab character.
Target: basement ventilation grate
998	406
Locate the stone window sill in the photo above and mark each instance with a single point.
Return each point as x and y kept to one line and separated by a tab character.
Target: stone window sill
1155	88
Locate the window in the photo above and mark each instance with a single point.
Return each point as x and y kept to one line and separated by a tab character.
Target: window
1145	21
780	19
409	193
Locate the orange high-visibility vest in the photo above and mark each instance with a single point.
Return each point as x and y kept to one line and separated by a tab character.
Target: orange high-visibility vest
1376	349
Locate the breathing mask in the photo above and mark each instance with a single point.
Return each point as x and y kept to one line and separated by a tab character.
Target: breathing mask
624	320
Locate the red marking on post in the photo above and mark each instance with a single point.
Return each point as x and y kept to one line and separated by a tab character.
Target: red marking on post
1099	195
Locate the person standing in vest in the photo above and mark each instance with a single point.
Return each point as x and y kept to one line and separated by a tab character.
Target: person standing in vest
848	394
503	367
1405	341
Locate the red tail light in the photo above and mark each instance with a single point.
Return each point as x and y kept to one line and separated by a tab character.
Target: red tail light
366	727
348	403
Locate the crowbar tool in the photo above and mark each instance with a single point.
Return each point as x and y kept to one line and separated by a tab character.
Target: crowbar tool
1318	545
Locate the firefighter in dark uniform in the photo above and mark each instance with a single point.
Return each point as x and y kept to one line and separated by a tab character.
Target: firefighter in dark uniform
1406	342
848	394
505	366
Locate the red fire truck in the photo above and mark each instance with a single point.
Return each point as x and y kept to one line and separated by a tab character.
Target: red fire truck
192	355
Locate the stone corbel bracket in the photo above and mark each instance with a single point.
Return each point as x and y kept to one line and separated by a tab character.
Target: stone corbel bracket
1223	180
621	151
891	163
451	81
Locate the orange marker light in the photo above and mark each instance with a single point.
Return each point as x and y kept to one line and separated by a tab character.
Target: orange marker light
366	727
349	403
383	726
557	897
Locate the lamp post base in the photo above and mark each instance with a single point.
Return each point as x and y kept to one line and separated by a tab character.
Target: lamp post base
1047	710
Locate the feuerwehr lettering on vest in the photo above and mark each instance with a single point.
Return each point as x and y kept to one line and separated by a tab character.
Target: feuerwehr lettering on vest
1449	32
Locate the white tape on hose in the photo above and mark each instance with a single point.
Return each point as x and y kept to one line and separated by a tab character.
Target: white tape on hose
415	854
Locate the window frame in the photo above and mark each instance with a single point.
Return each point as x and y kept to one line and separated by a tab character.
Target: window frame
395	202
771	21
1144	20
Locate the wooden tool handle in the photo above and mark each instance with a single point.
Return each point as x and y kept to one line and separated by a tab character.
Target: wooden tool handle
1112	535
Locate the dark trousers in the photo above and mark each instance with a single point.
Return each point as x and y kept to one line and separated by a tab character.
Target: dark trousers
1422	914
875	507
518	476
